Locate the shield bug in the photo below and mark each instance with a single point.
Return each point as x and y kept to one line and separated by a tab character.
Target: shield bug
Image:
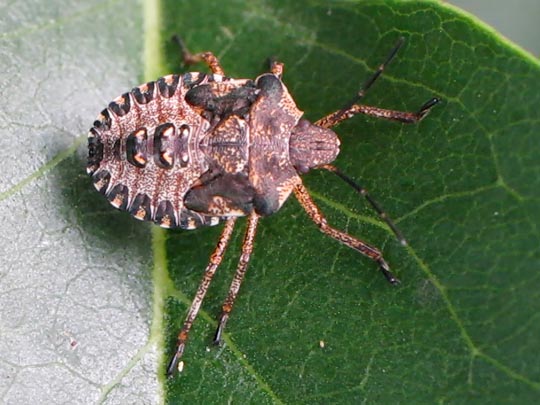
197	149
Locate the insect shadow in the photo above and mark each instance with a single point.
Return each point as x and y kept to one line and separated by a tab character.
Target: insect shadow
103	228
111	230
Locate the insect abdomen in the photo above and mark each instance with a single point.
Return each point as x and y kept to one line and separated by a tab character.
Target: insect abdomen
143	151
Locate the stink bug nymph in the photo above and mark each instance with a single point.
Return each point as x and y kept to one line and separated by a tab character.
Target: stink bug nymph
198	149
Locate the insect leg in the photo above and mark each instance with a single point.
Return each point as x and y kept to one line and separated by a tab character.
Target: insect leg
247	248
207	57
317	216
392	115
215	261
276	68
352	107
362	191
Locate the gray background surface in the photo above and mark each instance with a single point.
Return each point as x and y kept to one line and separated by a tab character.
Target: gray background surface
517	20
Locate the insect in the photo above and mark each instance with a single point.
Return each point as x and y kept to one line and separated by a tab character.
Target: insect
198	149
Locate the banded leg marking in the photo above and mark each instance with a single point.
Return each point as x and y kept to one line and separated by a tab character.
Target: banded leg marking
215	261
207	57
317	216
247	248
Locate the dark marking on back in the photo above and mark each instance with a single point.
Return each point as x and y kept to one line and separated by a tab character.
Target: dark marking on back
140	207
95	151
193	79
224	194
183	141
266	205
118	196
237	101
165	215
201	96
117	149
121	105
101	180
167	85
191	220
136	150
103	123
164	145
270	87
144	93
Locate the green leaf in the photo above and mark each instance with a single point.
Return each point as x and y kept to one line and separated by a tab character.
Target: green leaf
462	185
92	300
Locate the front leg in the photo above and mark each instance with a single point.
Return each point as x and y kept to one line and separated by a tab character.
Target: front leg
405	117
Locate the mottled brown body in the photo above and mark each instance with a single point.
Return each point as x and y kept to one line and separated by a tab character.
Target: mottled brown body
189	150
192	150
145	155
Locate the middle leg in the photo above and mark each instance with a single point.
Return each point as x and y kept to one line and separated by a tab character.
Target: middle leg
317	216
362	191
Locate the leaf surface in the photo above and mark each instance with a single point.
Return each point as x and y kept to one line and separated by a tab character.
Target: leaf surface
90	297
462	185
